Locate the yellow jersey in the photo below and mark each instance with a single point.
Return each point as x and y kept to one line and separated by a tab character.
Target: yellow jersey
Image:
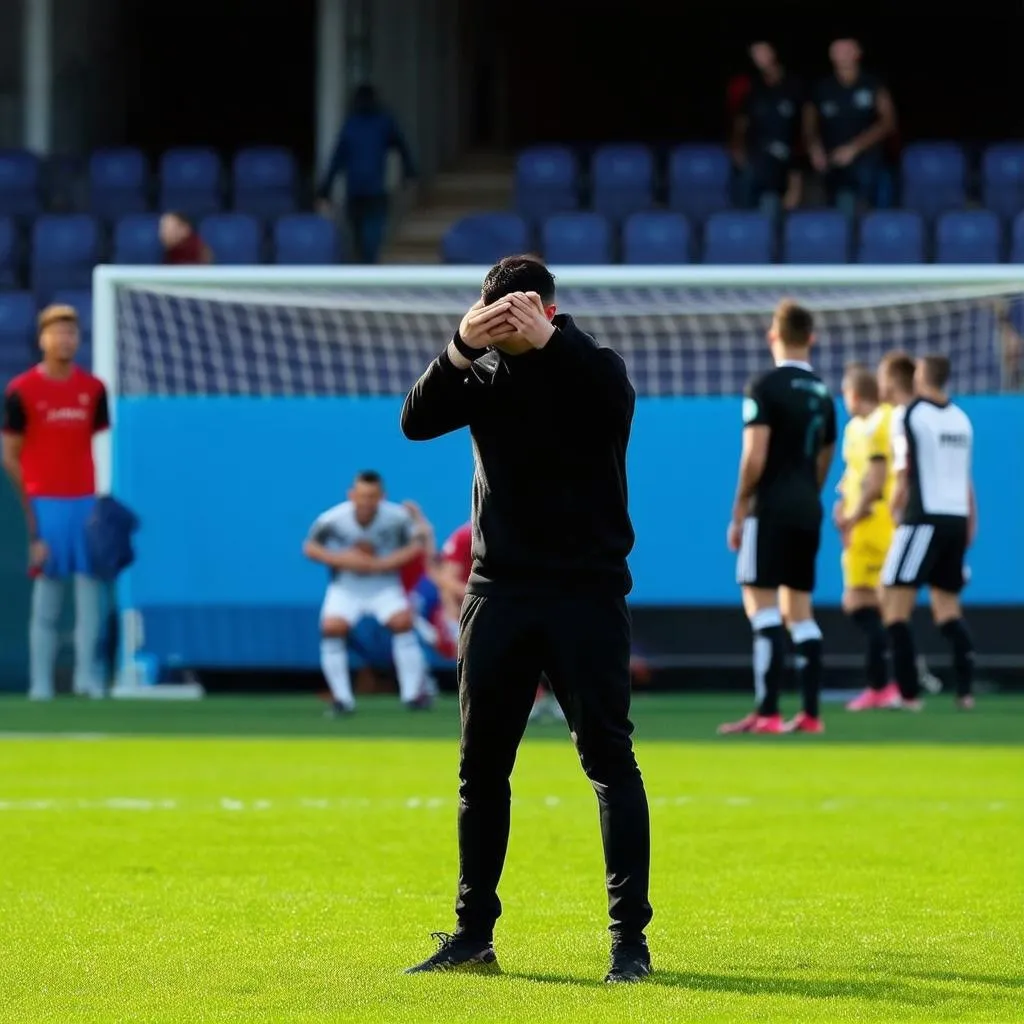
865	439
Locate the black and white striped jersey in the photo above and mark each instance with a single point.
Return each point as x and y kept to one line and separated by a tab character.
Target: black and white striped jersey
939	445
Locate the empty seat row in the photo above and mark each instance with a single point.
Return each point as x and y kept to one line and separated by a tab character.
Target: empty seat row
623	179
18	345
738	237
264	181
63	249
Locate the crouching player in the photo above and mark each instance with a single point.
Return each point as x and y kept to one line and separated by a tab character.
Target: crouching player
364	542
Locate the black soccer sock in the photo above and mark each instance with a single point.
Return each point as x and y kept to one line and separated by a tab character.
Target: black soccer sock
869	620
959	638
770	643
904	660
807	640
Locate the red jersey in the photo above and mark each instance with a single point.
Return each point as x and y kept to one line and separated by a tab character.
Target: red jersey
412	572
458	548
57	420
191	249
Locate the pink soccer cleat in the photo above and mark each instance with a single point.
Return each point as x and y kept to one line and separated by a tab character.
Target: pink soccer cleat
865	701
743	725
965	703
768	724
804	722
889	698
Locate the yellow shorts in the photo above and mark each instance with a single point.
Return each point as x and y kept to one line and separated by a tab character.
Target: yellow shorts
865	556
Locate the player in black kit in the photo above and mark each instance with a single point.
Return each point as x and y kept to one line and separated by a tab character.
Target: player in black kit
789	437
549	413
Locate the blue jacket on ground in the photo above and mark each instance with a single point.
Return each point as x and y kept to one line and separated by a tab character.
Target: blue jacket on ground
108	538
367	136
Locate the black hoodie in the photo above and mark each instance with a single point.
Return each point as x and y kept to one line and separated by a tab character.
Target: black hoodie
550	429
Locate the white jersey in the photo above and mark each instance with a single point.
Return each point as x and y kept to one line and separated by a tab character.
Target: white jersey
390	529
939	447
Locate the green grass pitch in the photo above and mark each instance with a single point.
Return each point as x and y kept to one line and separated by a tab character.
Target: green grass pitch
247	860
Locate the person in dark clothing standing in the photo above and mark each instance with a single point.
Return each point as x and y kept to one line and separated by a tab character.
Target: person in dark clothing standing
789	437
549	414
851	114
367	136
765	134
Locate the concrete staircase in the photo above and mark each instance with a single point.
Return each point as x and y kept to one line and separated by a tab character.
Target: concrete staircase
480	183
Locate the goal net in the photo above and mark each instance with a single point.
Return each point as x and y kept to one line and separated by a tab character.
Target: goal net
186	351
685	332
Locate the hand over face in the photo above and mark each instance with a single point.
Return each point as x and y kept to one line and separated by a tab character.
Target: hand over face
483	325
527	316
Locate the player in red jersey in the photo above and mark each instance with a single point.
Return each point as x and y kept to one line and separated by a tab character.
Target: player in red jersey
452	577
51	414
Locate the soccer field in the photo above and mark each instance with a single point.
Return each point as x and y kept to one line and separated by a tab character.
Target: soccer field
247	860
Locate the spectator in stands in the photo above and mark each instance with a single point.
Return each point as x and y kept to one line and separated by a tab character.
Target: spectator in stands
850	116
367	136
765	134
181	241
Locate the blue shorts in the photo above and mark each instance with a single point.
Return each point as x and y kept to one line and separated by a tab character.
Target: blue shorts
61	525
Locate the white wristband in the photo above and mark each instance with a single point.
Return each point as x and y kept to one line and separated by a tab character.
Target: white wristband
456	358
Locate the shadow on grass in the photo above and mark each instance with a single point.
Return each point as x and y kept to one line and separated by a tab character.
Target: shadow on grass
891	990
1007	981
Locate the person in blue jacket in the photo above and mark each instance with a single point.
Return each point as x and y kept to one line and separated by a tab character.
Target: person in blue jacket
360	153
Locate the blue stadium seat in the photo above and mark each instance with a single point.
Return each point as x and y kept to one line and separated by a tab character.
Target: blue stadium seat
622	180
1017	239
738	236
1002	178
305	239
233	238
64	251
10	253
17	333
265	181
816	236
81	300
891	236
20	184
968	236
118	182
698	180
547	182
577	239
484	238
137	240
656	238
190	182
934	175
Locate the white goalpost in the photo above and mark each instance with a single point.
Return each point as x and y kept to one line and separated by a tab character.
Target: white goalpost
174	333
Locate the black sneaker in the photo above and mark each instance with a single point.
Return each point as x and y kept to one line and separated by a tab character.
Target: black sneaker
339	710
458	953
631	961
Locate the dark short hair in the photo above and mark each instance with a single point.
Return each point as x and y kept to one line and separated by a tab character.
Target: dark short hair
937	370
898	367
862	381
369	476
794	323
518	274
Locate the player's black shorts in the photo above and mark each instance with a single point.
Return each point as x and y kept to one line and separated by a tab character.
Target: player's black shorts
777	555
928	555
